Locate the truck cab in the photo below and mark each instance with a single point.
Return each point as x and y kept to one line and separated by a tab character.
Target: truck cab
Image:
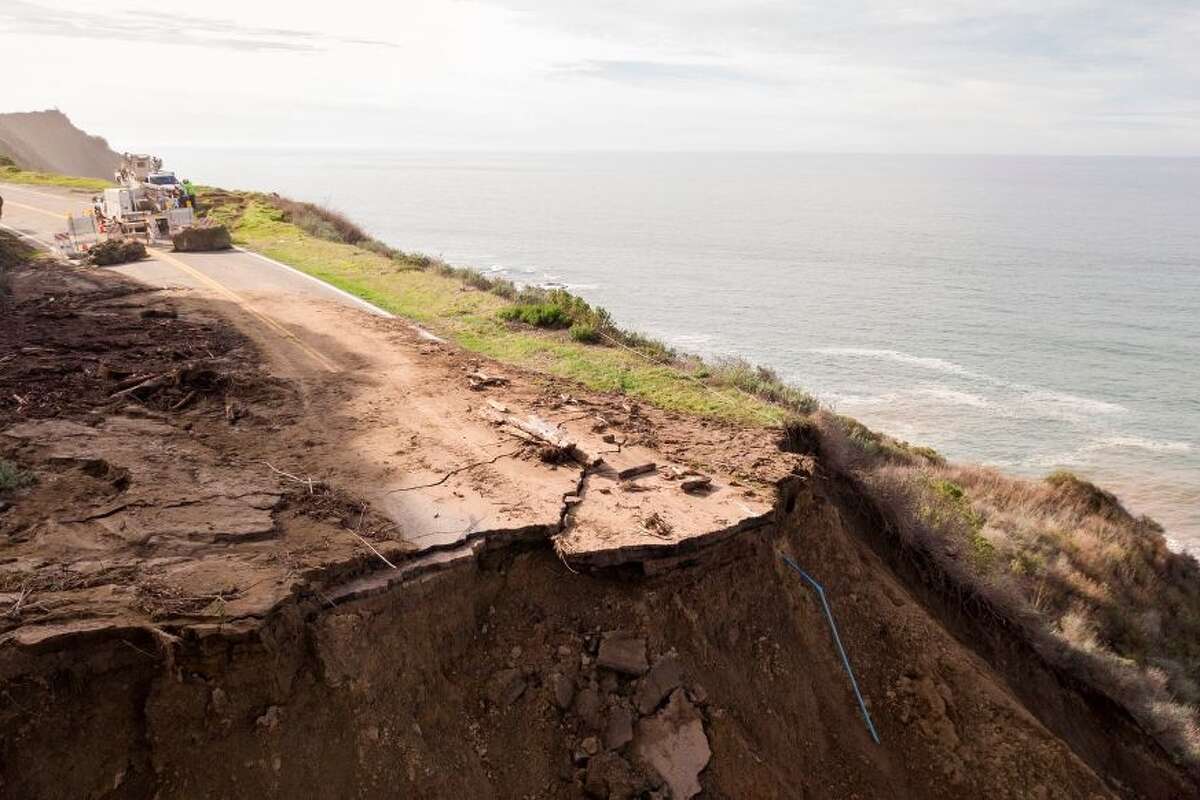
162	178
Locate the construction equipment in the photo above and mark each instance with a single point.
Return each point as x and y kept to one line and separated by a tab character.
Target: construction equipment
154	206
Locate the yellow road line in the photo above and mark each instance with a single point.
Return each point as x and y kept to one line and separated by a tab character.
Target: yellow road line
55	214
245	305
218	287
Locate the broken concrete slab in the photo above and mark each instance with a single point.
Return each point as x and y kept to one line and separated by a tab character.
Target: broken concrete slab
623	652
662	679
673	743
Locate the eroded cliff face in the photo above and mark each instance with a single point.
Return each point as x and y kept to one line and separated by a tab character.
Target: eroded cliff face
504	675
183	619
48	141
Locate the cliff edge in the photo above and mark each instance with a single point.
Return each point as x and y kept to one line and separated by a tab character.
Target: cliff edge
48	141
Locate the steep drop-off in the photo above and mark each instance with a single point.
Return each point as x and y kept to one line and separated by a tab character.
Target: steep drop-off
240	640
47	141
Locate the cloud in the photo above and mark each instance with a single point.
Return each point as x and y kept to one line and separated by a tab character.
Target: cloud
152	25
653	71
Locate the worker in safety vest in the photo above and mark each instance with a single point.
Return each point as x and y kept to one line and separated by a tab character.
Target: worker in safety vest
191	193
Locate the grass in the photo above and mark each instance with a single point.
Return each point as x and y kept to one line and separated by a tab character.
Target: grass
1095	588
552	331
12	477
10	173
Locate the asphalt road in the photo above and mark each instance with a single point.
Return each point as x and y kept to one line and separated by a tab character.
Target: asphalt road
37	213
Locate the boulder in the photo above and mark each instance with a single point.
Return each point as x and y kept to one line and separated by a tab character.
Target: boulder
200	239
673	744
623	652
659	682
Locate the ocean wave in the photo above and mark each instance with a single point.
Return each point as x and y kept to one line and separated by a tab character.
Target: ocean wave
938	394
925	362
842	398
1139	443
1071	402
954	397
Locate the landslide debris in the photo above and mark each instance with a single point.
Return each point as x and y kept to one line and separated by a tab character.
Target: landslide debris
185	587
116	251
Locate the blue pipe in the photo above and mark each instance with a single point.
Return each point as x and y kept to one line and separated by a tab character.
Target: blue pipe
837	640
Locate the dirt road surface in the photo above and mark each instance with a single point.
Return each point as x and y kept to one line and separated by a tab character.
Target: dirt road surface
446	464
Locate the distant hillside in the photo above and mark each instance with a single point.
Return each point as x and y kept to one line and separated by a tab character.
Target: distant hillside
47	141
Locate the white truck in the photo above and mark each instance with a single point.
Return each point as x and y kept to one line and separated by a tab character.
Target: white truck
150	204
141	211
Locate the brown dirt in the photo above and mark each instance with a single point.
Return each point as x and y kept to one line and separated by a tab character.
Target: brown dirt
187	608
47	141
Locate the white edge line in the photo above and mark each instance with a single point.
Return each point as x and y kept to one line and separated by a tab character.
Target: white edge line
364	304
374	309
358	301
41	244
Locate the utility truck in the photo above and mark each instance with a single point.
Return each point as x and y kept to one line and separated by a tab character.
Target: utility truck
149	204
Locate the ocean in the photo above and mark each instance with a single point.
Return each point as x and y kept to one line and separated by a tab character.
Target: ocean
1031	313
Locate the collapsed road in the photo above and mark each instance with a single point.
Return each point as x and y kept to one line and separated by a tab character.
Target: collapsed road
283	545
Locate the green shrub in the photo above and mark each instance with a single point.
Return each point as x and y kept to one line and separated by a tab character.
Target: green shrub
13	477
539	315
761	382
585	332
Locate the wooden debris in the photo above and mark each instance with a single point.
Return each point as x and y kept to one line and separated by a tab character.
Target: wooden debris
634	470
479	380
658	526
697	485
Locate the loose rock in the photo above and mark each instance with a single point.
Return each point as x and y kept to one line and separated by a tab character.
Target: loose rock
563	689
623	652
659	682
505	687
619	731
674	745
587	707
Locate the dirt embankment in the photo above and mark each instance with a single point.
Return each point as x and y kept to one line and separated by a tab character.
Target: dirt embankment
180	619
47	141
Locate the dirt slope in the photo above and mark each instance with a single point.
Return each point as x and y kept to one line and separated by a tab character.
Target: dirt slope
180	619
48	141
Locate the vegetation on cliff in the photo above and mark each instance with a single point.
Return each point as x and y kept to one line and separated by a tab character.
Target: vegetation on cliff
1094	589
525	326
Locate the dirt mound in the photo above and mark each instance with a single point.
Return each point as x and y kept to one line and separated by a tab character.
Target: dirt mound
202	239
48	141
116	252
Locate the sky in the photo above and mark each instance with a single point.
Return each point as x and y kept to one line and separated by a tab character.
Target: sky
1077	77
